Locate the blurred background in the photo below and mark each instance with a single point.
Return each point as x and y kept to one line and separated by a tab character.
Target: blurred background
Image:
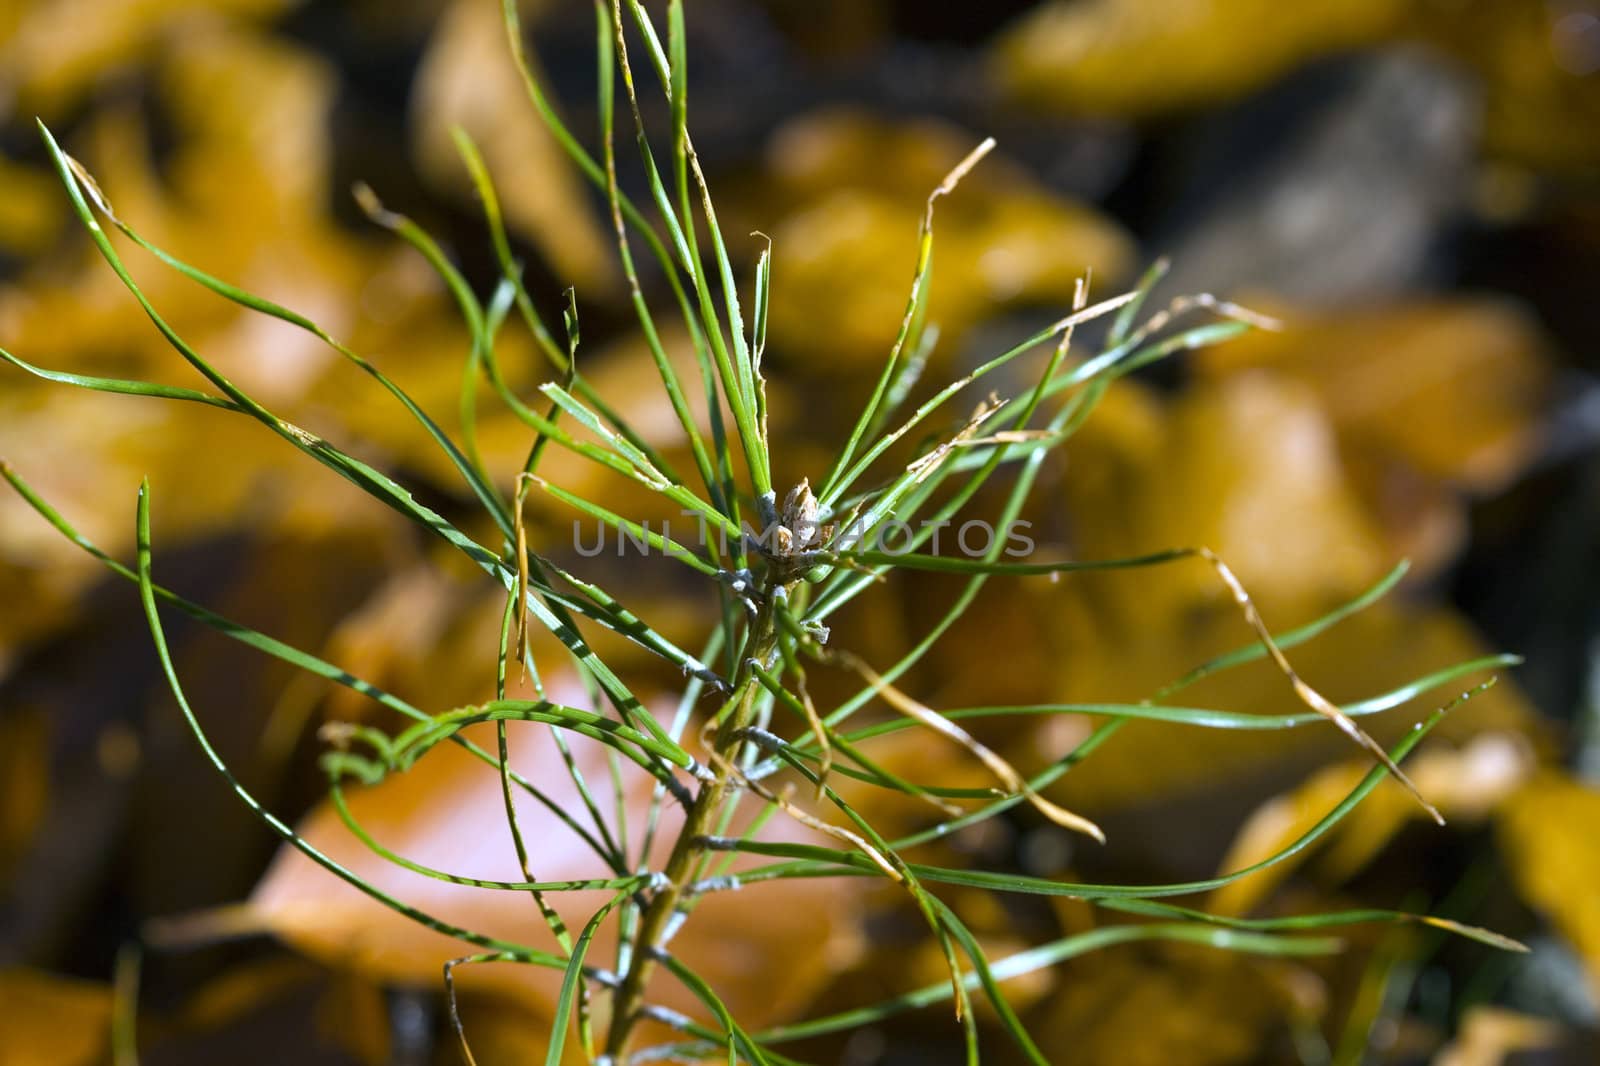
1412	186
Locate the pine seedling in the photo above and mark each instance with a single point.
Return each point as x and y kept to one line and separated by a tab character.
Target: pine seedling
779	568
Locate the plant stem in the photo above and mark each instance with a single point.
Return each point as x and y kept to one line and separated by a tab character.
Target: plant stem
687	849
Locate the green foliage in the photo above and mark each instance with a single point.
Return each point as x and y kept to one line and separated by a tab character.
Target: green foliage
776	594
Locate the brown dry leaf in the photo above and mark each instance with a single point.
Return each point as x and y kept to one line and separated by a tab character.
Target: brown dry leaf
52	1019
1142	57
992	622
293	587
447	812
408	328
468	79
1466	783
241	193
254	111
443	653
1492	1036
1547	831
846	246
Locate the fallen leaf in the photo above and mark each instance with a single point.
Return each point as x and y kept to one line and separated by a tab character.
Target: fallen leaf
467	79
52	1019
1466	784
845	247
1495	1036
505	1031
1537	62
1453	389
1143	57
1249	466
1132	1007
53	53
24	781
1546	830
355	1014
1429	401
446	811
388	640
31	211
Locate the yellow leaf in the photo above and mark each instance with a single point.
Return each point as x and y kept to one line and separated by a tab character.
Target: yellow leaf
54	51
1465	783
1541	96
447	812
1427	400
1454	389
1247	465
1141	57
24	781
1547	833
1128	1007
845	248
1274	825
468	79
1493	1036
31	209
52	1019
